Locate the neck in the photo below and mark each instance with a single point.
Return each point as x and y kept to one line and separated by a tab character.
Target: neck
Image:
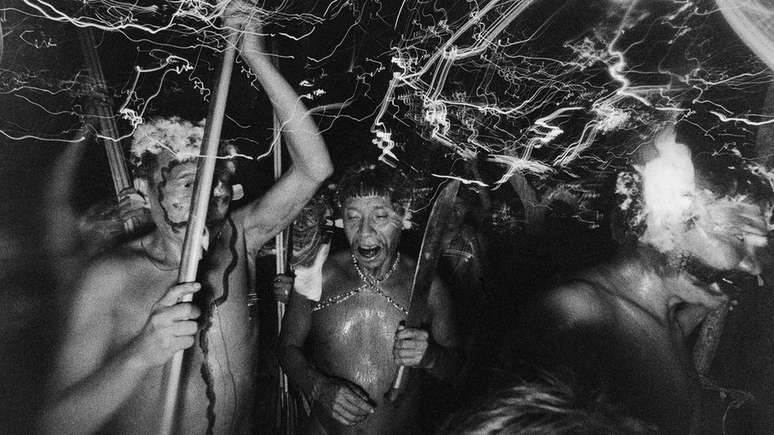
164	249
381	271
637	281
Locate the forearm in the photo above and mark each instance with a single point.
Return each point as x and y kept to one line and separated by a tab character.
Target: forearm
304	142
87	405
300	371
443	362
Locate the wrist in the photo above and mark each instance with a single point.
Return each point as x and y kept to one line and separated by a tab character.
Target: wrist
134	359
318	384
430	358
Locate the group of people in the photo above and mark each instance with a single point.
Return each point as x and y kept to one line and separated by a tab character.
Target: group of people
621	329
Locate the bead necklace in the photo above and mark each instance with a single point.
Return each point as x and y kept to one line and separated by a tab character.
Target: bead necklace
369	282
370	279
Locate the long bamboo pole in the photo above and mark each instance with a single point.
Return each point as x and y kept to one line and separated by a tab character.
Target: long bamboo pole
283	409
192	246
101	108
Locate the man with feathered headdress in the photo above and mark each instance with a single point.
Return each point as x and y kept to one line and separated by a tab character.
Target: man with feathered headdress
126	321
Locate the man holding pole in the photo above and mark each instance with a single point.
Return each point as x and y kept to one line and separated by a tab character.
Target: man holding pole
126	321
354	324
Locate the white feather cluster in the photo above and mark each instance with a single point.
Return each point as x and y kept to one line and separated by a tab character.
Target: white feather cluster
180	137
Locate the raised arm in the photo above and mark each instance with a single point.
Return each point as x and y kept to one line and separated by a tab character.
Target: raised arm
89	384
311	165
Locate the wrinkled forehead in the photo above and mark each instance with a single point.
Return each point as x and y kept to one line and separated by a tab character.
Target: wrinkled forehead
368	203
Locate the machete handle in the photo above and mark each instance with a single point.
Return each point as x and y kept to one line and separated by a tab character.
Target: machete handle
398	384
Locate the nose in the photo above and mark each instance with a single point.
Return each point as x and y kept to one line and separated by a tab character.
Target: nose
366	228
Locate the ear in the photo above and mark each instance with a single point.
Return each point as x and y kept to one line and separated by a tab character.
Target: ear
237	192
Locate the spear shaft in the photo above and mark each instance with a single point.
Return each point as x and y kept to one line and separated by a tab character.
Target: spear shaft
192	246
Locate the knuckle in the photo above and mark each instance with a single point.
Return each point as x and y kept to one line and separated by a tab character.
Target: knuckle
156	320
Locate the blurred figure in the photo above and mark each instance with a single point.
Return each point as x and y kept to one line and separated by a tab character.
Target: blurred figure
623	325
546	407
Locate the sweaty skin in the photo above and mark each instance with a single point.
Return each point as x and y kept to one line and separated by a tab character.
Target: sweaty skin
125	321
623	325
355	341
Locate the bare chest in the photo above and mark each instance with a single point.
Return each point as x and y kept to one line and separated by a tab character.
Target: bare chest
353	332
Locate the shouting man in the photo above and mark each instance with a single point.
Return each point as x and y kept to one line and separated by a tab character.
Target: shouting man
623	326
354	326
126	321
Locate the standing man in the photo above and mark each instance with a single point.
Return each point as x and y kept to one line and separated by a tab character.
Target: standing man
623	326
126	321
354	326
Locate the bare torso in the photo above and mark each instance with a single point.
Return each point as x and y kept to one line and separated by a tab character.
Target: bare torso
353	339
230	340
642	360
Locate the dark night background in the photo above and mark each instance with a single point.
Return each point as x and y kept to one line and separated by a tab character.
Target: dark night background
42	67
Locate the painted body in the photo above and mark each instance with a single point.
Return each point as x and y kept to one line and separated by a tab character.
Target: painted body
353	340
354	331
231	340
126	320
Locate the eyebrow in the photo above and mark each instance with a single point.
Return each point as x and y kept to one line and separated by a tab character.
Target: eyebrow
186	173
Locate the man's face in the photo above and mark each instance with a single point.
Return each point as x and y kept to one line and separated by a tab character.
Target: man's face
724	239
373	228
172	190
220	200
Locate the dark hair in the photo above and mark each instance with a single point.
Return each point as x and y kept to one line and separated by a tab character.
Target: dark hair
549	406
368	179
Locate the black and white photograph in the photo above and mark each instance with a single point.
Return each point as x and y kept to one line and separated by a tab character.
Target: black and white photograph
375	217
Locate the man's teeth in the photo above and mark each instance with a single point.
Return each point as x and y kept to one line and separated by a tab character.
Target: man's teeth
368	252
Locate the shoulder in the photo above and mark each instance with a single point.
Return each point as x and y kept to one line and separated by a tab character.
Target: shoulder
338	274
577	303
337	263
99	288
107	273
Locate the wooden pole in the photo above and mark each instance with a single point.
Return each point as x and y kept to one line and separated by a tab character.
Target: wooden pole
102	109
192	246
280	250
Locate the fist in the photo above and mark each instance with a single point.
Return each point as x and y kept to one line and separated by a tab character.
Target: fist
281	286
242	16
170	328
133	210
411	347
345	402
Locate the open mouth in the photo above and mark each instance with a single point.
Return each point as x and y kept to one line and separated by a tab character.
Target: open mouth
368	253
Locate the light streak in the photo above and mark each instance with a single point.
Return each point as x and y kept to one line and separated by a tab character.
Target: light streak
725	118
495	80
